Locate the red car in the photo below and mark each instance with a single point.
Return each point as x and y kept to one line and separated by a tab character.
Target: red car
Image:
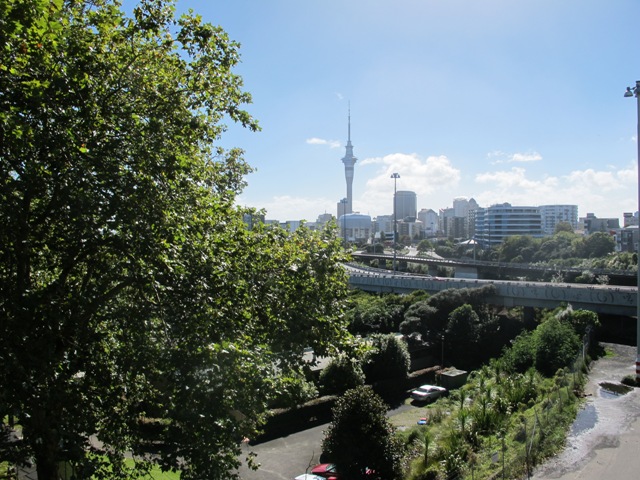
326	470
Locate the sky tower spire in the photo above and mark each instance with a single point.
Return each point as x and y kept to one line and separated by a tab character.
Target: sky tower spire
349	161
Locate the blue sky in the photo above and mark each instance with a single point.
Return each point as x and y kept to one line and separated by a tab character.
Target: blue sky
517	101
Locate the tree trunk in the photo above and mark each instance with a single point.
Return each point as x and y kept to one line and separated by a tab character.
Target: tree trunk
45	442
46	464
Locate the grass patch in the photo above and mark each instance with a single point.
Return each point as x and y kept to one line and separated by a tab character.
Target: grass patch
157	474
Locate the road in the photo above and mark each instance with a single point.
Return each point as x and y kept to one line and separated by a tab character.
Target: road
607	445
287	457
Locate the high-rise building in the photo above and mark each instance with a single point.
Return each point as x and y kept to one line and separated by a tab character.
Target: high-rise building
355	227
349	161
554	214
342	208
429	219
497	222
460	207
463	208
406	205
382	227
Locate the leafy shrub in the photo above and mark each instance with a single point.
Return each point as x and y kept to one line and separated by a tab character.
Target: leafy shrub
293	390
341	374
556	345
360	437
388	358
520	357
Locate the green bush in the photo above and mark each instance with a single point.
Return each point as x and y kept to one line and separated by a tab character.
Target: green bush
360	437
341	374
293	390
388	359
520	357
556	345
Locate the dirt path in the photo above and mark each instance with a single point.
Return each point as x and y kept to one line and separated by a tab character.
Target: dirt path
605	439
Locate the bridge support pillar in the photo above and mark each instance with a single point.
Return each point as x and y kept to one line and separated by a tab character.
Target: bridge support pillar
466	272
529	315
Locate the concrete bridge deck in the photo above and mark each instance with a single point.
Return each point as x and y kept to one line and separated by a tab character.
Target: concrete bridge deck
615	300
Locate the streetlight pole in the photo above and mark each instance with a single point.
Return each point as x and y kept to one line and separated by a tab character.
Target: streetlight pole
631	92
395	177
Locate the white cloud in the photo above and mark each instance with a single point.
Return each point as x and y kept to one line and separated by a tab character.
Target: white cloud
418	174
321	141
590	179
286	207
526	157
605	193
502	157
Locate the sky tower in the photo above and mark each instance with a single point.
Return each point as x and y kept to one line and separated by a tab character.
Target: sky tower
349	161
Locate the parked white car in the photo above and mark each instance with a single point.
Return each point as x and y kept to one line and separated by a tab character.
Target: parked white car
428	393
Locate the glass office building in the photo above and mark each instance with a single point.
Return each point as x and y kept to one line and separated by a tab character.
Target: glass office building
498	222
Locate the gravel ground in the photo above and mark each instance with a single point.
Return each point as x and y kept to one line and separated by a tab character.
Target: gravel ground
605	439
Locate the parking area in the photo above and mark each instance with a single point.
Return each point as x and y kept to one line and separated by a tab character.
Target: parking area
287	457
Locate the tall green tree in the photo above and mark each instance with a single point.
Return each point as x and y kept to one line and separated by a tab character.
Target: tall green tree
129	285
424	246
598	244
388	358
563	227
360	438
463	332
518	248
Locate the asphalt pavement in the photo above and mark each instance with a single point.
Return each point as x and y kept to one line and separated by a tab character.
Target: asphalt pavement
287	457
605	440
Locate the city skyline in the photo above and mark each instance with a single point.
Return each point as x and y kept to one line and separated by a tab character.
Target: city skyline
500	101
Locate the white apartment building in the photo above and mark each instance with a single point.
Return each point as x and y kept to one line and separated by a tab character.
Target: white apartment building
554	214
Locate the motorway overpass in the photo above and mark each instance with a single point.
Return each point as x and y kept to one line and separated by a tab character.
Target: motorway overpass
615	300
468	268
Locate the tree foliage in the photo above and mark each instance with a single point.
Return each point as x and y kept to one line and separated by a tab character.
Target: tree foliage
563	245
341	374
463	332
446	301
424	246
597	245
129	285
554	344
388	358
417	318
563	227
371	314
360	438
